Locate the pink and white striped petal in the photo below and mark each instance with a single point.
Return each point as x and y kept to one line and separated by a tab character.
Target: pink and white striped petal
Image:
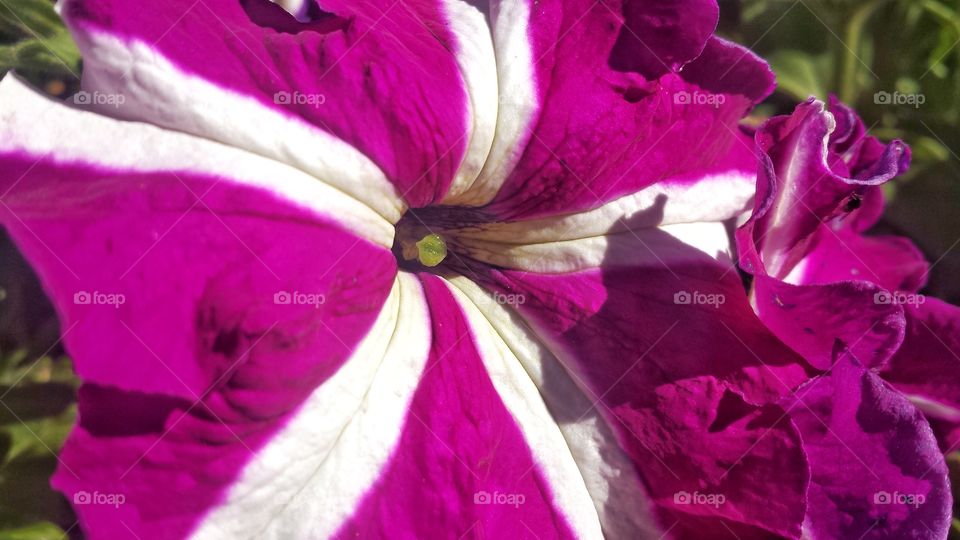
317	95
694	410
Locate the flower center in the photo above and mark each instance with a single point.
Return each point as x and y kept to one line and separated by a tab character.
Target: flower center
416	246
431	250
426	238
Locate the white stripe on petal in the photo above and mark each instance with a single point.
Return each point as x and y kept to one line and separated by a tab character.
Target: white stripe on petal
311	476
155	90
711	198
540	429
518	102
586	469
478	66
642	229
657	247
39	126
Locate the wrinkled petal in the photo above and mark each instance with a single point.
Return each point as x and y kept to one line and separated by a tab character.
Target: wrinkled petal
605	130
927	367
811	319
674	359
876	470
806	182
826	289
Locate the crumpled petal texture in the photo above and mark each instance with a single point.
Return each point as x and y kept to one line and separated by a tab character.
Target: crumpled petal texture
876	469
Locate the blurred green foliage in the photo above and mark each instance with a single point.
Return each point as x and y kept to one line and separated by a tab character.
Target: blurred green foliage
36	415
37	384
908	49
34	41
853	49
857	49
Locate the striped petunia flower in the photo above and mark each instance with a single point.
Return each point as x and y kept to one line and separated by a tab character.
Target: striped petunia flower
421	269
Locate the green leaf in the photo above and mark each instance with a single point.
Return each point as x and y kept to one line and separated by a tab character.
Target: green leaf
26	495
31	18
56	54
42	530
25	402
40	437
800	74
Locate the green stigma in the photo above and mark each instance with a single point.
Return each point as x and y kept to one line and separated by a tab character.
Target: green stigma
431	250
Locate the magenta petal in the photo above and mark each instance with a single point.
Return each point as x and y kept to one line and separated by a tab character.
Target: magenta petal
659	37
607	130
683	384
813	318
815	173
174	262
171	314
892	262
876	469
803	184
725	67
462	466
377	75
927	367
